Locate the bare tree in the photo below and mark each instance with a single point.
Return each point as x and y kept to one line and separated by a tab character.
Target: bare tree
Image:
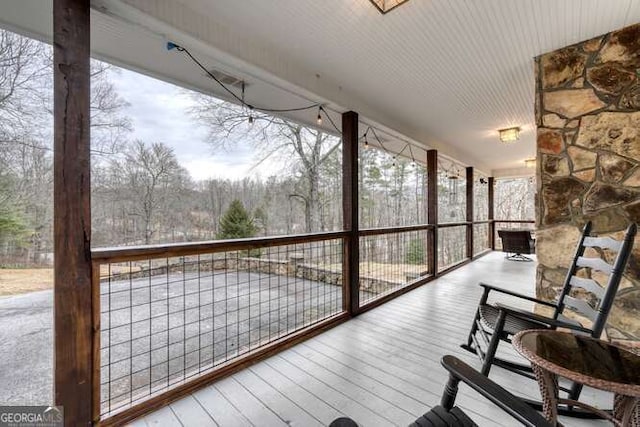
26	130
272	137
109	126
23	71
514	198
153	179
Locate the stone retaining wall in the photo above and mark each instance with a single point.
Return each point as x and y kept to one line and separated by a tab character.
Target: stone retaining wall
294	267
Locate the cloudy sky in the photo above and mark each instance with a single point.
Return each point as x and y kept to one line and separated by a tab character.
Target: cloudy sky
159	112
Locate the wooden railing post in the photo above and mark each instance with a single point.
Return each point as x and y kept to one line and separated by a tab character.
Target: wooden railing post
492	224
351	252
73	370
432	210
470	218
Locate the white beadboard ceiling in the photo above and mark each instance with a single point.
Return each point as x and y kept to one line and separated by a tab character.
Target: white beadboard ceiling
444	73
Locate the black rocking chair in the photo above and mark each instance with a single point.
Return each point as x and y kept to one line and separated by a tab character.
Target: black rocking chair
447	415
497	322
516	243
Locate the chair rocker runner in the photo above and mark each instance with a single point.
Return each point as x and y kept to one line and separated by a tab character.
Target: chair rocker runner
498	322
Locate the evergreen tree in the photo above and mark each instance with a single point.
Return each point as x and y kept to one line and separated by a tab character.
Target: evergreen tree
415	253
236	222
12	225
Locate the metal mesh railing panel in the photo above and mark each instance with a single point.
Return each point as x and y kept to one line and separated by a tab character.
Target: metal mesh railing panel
389	262
452	246
166	321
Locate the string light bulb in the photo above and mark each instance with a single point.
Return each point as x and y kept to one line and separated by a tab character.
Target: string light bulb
413	159
251	118
244	104
319	119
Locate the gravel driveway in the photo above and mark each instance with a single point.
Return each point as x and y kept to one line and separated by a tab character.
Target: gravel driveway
26	349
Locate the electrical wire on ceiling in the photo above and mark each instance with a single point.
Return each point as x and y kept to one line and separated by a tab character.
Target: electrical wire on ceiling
321	108
251	107
410	146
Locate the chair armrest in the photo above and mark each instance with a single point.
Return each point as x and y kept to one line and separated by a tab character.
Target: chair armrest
517	295
527	315
509	403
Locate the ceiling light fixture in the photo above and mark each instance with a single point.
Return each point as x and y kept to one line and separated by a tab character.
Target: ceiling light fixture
509	135
385	6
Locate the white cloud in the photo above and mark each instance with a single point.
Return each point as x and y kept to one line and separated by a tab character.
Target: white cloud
159	112
221	168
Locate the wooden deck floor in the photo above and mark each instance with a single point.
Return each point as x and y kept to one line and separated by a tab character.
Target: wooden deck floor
381	368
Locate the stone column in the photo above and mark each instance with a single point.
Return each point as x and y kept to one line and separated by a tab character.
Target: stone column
588	150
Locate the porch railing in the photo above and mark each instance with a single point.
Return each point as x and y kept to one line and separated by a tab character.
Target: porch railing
391	259
168	318
481	236
168	315
452	244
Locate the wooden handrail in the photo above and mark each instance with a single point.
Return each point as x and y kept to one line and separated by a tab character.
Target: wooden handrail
391	230
168	250
136	253
454	224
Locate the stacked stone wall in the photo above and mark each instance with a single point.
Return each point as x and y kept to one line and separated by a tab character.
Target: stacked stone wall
588	148
293	267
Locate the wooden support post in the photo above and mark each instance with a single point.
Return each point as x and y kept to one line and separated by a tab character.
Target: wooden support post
351	253
470	185
492	224
73	359
432	210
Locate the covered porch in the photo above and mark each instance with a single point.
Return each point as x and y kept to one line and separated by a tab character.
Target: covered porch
350	319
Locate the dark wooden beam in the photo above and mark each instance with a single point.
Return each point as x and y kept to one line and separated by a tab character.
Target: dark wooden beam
470	186
351	253
73	370
432	211
492	224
